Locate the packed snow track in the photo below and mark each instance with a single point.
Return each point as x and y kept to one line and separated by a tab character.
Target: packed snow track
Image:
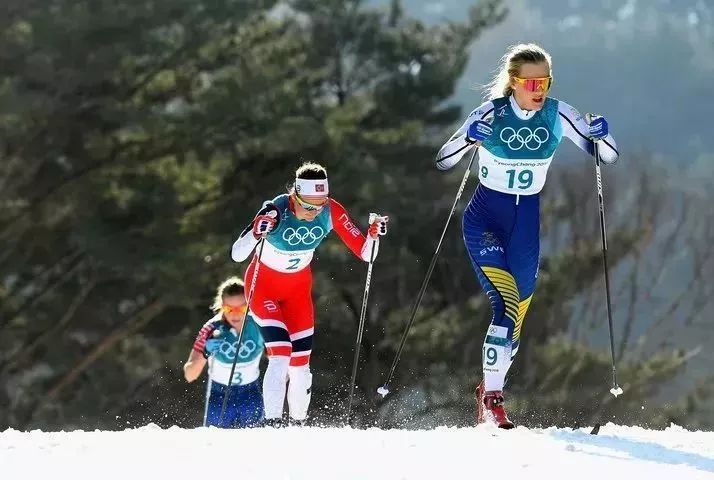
332	453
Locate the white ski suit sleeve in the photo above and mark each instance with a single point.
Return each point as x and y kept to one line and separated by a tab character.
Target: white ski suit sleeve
576	129
453	150
243	247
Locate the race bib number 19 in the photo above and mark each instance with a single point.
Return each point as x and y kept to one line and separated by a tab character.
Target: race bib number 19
522	176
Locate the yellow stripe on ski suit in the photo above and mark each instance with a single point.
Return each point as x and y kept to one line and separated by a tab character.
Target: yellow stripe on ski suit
522	309
506	285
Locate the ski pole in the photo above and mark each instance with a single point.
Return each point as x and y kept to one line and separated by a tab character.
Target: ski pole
240	334
360	328
384	389
615	390
209	384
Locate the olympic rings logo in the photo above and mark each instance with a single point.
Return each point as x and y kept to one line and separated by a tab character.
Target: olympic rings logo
228	349
304	235
524	137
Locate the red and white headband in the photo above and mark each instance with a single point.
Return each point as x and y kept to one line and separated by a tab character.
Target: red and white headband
311	187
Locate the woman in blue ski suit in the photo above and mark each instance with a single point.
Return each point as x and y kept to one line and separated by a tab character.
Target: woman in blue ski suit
518	130
217	345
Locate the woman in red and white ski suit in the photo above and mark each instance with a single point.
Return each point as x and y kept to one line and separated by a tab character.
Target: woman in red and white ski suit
293	225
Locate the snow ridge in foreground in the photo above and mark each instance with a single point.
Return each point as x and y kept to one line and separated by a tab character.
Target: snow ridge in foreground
344	453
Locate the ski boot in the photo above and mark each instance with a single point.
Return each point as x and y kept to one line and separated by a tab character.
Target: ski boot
295	423
274	423
490	408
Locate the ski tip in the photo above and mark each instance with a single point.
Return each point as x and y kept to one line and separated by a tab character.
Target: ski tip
595	430
383	391
616	390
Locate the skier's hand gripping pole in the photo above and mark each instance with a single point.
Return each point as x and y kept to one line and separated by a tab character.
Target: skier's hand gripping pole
384	389
597	132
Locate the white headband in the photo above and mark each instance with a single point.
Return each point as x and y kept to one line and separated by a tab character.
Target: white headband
311	187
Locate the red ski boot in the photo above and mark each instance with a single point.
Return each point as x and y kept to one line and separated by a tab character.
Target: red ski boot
490	408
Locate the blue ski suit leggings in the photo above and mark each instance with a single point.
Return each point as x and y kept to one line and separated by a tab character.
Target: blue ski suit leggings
244	407
501	232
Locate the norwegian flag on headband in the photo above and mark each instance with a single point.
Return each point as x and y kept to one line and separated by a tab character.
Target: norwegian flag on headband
304	186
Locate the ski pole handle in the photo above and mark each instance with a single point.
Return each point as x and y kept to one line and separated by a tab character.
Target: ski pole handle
589	117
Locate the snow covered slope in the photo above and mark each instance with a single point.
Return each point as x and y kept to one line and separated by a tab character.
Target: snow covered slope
330	453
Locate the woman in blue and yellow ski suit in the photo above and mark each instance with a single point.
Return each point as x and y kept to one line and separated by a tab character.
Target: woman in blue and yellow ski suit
518	129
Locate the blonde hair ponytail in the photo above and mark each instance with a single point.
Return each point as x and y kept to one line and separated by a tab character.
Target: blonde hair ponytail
229	287
510	65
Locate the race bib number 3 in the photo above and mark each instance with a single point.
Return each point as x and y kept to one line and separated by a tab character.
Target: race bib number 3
244	372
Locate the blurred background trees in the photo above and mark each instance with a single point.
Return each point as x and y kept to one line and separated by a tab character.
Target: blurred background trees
137	138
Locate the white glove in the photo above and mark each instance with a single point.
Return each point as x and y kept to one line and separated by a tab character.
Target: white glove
377	225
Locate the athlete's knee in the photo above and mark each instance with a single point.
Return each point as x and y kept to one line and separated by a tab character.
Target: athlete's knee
523	306
301	347
276	337
299	360
503	292
498	306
